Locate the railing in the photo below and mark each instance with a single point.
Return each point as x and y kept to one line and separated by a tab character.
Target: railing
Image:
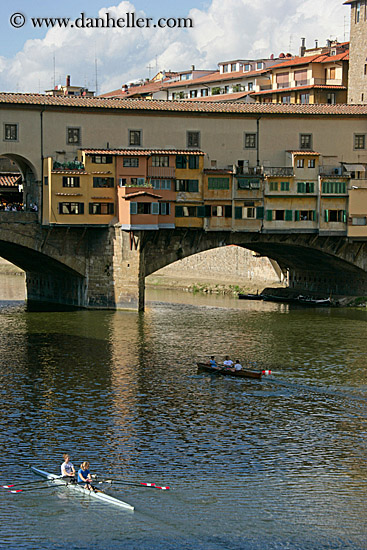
278	171
281	85
266	87
161	171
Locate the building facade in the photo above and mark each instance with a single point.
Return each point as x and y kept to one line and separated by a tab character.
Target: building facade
357	83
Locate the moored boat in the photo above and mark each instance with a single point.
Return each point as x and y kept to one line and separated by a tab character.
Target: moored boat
53	478
250	297
244	373
308	301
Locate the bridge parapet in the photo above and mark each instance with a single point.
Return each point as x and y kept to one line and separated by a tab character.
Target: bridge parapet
18	217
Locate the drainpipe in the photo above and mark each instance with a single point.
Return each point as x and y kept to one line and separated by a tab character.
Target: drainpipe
318	209
40	209
258	141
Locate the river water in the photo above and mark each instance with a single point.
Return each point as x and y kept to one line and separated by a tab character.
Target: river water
272	464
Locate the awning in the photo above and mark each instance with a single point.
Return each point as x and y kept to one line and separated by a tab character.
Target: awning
355	167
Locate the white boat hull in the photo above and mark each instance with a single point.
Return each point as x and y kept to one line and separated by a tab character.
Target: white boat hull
100	496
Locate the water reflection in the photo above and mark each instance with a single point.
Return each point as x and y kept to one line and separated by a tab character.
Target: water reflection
271	464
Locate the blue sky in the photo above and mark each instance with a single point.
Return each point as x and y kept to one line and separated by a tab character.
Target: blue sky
223	30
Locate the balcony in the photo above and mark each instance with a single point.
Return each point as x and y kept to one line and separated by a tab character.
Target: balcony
264	87
249	170
72	165
278	171
161	172
334	171
281	85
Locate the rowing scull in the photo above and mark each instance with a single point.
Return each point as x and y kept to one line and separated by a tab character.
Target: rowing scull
100	496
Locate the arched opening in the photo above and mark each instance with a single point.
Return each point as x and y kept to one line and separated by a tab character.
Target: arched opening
19	188
220	269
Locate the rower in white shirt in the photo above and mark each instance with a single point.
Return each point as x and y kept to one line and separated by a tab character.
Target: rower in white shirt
228	363
67	469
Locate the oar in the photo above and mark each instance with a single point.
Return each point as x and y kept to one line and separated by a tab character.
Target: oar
19	484
35	488
135	483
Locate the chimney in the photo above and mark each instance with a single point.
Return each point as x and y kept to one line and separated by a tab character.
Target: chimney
303	47
328	43
193	67
67	80
316	43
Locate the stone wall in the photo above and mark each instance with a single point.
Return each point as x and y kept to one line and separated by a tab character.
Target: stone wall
357	79
221	263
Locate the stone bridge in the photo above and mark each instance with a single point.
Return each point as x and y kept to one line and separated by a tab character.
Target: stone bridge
106	267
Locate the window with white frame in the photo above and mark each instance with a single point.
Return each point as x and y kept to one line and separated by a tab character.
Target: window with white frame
10	132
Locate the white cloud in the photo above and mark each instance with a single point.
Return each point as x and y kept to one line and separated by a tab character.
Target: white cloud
225	30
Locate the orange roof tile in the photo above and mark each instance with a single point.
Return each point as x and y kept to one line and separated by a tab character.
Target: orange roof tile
220	97
303	152
142	152
306	87
197	107
215	77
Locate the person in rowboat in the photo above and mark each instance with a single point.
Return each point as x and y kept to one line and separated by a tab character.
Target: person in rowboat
212	363
228	363
67	469
84	476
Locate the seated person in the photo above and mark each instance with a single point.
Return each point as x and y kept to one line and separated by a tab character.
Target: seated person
227	363
237	366
84	475
213	363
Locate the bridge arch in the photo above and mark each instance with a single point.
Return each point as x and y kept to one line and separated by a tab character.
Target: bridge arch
30	178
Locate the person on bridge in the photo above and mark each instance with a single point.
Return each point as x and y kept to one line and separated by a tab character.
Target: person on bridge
67	469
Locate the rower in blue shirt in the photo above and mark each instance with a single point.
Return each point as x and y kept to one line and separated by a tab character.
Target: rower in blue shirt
84	476
213	363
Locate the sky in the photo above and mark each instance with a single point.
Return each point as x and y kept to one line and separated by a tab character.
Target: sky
34	59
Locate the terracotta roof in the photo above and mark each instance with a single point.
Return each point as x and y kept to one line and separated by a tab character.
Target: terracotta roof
142	152
306	87
10	179
197	107
147	88
140	194
216	77
220	97
303	152
305	60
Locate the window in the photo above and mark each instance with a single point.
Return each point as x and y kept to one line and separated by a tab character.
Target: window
332	73
11	132
305	141
286	99
161	184
73	136
226	89
144	208
193	162
311	163
191	186
300	163
233	67
218	183
250	141
335	216
185	211
304	215
331	98
135	137
193	139
279	215
334	187
358	12
71	208
247	67
130	162
225	68
359	220
204	92
273	186
101	208
160	161
122	182
259	65
250	86
181	161
359	141
164	208
305	99
284	185
71	181
103	182
217	211
193	93
102	159
305	187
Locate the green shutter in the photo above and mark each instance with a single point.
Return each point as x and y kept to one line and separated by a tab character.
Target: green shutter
179	211
193	186
326	214
201	211
344	216
133	208
314	215
238	212
155	208
269	215
181	161
312	187
228	211
296	215
301	187
193	162
259	212
288	215
81	207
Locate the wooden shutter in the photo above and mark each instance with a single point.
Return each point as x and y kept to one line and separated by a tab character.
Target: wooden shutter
296	215
179	211
193	186
228	211
155	208
133	208
201	211
326	215
259	212
288	215
269	215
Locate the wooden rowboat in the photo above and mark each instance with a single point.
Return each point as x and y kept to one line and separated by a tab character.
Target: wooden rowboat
244	373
